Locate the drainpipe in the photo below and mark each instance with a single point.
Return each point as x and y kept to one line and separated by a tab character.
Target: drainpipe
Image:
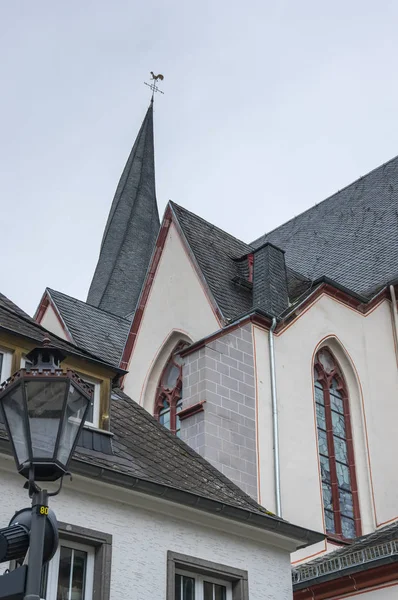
395	316
277	475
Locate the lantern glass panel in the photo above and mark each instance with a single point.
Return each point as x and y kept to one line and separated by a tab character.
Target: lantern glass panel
45	400
76	409
14	412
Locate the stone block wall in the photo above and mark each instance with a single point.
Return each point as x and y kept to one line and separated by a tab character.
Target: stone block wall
221	375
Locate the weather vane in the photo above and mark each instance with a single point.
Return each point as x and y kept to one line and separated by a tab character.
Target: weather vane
153	86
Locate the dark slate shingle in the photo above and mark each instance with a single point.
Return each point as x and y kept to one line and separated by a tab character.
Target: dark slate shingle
98	331
351	237
130	232
216	253
16	321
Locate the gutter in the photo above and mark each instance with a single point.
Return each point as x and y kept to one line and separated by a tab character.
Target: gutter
277	474
68	351
395	317
265	522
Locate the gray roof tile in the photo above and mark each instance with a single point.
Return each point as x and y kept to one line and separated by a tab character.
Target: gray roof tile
130	232
216	253
351	237
14	320
91	328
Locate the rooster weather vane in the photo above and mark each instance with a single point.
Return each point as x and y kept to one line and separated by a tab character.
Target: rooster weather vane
154	80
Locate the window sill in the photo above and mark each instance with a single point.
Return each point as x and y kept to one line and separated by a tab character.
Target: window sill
335	539
94	428
185	413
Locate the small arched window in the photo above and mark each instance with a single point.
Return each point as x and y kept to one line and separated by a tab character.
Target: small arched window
336	452
169	393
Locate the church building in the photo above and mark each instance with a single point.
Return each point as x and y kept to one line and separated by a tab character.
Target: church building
275	360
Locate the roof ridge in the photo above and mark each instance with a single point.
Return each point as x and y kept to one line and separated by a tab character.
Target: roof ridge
31	321
325	199
172	203
101	310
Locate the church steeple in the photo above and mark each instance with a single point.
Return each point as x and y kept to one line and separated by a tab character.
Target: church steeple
130	232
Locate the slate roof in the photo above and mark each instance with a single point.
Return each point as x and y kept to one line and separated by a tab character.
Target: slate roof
354	556
217	254
130	232
16	321
351	237
97	331
145	449
215	251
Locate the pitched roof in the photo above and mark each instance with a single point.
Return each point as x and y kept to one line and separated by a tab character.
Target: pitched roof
361	553
14	320
351	237
91	328
130	232
147	451
217	253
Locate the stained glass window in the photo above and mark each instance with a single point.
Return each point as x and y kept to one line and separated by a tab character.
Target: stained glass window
169	393
336	453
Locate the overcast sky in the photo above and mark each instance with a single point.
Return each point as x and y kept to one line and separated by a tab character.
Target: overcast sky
269	107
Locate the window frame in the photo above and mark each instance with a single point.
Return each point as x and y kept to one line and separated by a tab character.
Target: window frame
101	543
53	569
325	379
201	578
6	365
172	396
96	400
189	565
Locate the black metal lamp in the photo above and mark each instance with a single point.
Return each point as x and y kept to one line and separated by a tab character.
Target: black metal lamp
44	410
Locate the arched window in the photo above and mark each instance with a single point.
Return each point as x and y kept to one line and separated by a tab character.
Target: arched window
169	393
336	452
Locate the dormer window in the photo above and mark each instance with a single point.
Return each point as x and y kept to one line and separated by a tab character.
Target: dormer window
169	393
5	364
94	410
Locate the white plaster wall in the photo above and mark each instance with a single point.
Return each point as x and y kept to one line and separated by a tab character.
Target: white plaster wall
365	350
177	303
141	539
50	321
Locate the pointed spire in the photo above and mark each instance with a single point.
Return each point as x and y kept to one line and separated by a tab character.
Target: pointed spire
130	232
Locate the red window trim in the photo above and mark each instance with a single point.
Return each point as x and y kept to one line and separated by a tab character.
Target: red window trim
325	379
173	395
250	263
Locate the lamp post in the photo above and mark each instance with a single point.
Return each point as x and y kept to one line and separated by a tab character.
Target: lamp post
44	411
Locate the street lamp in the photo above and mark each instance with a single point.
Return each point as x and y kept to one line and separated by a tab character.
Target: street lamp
44	409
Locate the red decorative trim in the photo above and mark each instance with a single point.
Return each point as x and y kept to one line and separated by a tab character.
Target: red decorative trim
341	296
160	242
171	396
342	586
255	319
44	302
250	263
191	410
325	377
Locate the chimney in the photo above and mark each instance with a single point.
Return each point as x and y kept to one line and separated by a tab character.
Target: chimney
270	292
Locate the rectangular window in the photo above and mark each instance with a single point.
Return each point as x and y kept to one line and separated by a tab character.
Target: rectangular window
190	578
5	364
192	586
81	567
94	410
70	574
